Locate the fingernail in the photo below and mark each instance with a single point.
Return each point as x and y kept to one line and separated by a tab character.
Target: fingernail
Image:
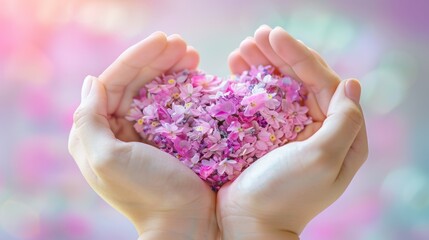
86	87
157	34
175	35
264	26
279	28
353	90
93	85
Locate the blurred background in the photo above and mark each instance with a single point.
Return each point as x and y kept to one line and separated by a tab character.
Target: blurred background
47	47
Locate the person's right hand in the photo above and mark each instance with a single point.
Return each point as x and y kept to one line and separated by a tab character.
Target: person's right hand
281	192
161	196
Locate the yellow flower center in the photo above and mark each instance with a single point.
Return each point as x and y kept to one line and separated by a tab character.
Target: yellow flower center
171	81
199	128
273	137
270	96
240	129
154	124
252	104
140	121
188	105
298	129
176	95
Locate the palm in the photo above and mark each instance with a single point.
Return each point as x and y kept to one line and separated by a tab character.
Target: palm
288	56
135	173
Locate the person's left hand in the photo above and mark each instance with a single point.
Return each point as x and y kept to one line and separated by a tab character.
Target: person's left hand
281	192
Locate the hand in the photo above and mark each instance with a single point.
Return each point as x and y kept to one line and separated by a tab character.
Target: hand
161	196
281	192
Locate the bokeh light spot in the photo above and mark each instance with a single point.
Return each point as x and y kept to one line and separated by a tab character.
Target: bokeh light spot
19	219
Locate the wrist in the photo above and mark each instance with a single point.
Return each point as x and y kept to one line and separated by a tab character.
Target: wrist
171	226
249	229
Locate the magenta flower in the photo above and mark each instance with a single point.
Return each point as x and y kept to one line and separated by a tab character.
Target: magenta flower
219	127
223	109
207	168
182	146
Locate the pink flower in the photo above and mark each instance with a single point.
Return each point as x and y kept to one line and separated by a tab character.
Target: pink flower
263	143
227	166
202	127
192	161
207	168
150	112
168	130
217	142
236	131
272	103
239	88
182	146
207	83
188	92
254	103
134	114
223	109
177	112
274	118
291	87
219	127
297	113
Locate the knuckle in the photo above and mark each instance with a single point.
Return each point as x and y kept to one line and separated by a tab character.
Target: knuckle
79	116
104	161
101	161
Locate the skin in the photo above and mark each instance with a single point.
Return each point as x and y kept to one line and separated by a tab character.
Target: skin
273	199
280	193
160	195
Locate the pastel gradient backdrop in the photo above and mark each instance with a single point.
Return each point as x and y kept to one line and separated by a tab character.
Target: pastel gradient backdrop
47	47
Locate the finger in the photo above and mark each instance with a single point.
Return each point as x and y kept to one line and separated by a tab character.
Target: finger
93	131
172	54
308	131
236	63
79	155
319	79
189	61
317	56
342	125
87	82
314	110
262	41
128	65
355	158
74	143
251	54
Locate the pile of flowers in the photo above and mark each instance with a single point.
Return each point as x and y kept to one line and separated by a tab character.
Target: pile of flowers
218	127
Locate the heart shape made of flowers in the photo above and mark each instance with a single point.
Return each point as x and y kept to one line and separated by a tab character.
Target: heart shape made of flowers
218	127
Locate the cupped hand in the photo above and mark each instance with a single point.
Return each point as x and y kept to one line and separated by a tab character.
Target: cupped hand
281	192
161	196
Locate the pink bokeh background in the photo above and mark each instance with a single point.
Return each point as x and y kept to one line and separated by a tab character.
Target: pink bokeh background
47	47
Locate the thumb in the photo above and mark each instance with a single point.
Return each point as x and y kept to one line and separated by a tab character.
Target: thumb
344	120
91	124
